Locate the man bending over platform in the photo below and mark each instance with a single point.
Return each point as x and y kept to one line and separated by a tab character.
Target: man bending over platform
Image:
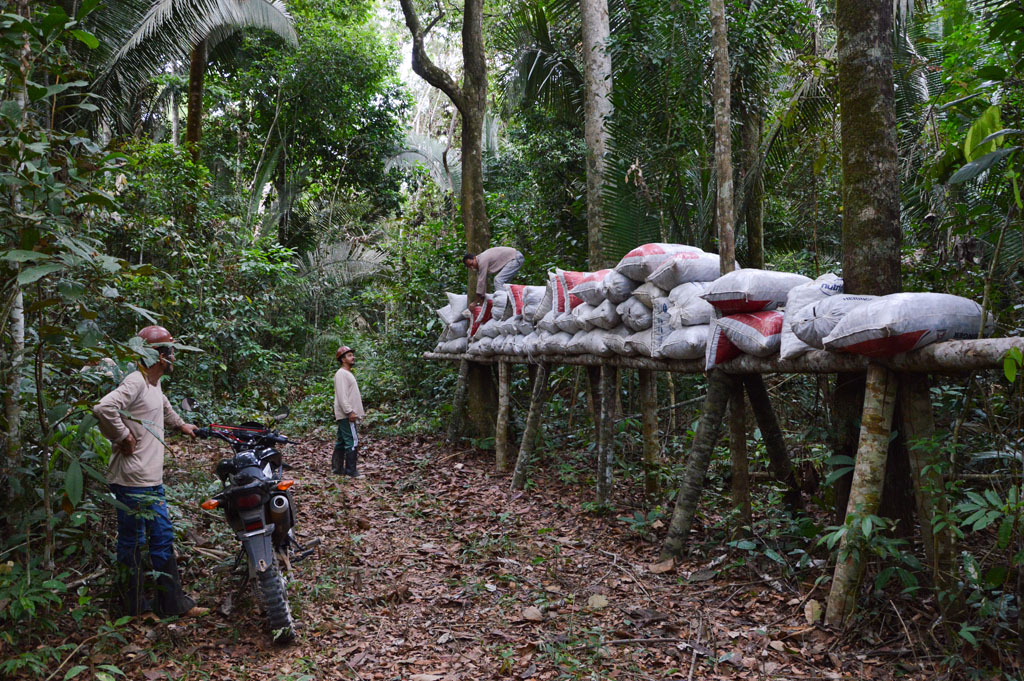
501	261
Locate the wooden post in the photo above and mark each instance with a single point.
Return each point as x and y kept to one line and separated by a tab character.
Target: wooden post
738	459
457	425
501	429
865	490
538	397
774	443
606	438
720	388
919	424
649	429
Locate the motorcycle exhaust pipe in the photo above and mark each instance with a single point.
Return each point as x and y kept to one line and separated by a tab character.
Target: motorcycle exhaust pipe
279	508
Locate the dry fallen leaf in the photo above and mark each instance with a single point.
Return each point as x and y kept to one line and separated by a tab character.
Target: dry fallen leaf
597	601
533	614
813	611
664	566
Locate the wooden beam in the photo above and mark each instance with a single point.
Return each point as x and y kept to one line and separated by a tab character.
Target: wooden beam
739	464
457	425
538	398
501	428
865	491
649	429
606	440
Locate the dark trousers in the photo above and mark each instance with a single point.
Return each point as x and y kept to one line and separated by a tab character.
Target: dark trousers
145	518
343	462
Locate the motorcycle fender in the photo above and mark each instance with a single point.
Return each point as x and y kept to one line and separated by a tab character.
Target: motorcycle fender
259	548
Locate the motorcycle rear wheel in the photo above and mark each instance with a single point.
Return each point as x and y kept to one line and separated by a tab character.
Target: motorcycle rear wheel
275	605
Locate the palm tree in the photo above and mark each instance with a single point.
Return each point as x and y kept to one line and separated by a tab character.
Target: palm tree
139	38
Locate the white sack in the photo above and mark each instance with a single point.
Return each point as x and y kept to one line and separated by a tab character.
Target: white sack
581	313
604	316
500	305
691	308
459	329
640	343
459	303
607	342
635	315
751	290
557	343
456	346
547	323
905	321
618	287
799	297
531	297
646	293
815	321
568	322
685	343
489	328
524	328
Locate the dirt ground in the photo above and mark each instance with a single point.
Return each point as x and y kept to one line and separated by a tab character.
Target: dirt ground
431	569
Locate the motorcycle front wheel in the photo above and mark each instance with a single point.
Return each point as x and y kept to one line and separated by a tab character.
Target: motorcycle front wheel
275	605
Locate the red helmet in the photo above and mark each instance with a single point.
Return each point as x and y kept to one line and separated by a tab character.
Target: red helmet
341	352
156	335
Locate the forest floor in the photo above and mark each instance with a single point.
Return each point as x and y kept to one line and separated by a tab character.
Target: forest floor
431	569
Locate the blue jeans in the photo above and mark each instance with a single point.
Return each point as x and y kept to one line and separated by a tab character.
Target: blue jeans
148	518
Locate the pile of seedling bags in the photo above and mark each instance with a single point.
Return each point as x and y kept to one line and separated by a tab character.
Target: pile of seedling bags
669	301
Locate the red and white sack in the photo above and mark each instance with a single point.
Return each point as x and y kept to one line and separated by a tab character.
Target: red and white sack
815	321
581	313
591	287
646	293
719	348
751	290
754	333
618	287
604	316
482	316
688	342
639	263
799	297
547	302
686	266
567	281
635	315
640	343
901	322
523	297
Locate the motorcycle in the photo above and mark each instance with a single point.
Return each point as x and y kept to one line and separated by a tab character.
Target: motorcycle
258	505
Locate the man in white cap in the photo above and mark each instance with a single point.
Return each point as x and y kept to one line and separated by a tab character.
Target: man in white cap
348	411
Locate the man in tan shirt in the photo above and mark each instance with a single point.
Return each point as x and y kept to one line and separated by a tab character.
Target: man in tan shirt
133	417
501	261
348	410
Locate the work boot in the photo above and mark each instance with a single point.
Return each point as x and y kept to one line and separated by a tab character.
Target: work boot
170	598
350	463
338	462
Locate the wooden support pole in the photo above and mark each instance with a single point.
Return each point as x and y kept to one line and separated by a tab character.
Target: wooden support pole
594	398
538	398
738	458
501	428
919	424
720	387
649	430
458	423
775	444
606	439
865	490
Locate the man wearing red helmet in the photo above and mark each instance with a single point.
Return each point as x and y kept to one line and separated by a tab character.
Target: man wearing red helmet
133	417
348	410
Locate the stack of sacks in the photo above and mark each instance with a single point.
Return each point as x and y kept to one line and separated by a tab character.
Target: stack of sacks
509	327
456	325
747	319
800	297
681	322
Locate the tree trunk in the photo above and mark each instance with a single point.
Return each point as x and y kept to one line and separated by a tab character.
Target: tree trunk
774	442
723	137
866	490
720	388
538	398
753	182
649	430
597	109
501	429
738	459
606	440
194	122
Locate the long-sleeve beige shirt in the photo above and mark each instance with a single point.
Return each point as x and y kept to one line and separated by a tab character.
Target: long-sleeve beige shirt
347	399
150	412
490	262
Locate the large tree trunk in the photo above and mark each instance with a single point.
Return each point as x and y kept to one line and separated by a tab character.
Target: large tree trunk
753	183
471	101
597	108
194	122
724	209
